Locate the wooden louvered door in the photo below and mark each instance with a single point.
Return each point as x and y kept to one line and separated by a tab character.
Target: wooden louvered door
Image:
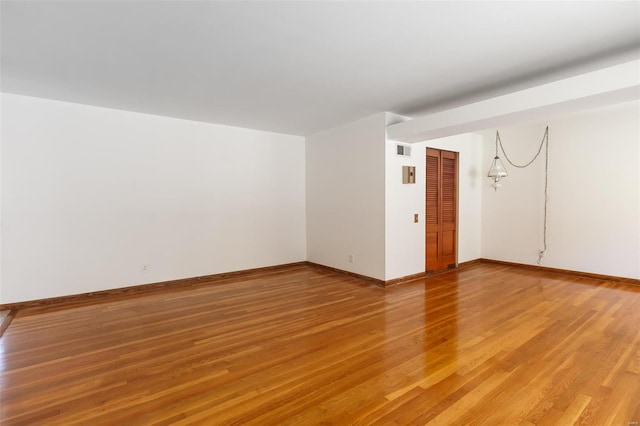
441	209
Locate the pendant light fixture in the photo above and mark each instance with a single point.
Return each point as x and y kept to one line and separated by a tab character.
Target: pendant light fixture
497	170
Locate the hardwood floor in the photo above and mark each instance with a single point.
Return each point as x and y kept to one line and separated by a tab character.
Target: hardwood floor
490	344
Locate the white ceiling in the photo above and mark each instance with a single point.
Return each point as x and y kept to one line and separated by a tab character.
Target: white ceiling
300	67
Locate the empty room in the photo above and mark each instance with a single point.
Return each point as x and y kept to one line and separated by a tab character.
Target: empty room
320	212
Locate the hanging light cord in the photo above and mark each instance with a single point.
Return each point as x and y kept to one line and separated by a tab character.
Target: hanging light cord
544	141
545	138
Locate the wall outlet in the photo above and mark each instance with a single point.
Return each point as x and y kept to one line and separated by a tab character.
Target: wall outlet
144	269
350	258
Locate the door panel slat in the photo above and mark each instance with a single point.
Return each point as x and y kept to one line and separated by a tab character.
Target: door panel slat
441	209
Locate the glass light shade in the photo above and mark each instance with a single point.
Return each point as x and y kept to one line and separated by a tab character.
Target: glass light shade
497	171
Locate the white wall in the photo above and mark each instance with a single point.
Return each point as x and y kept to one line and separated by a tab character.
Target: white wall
345	169
90	194
594	194
405	240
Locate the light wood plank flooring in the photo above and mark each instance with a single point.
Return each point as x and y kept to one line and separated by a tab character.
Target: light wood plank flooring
489	344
